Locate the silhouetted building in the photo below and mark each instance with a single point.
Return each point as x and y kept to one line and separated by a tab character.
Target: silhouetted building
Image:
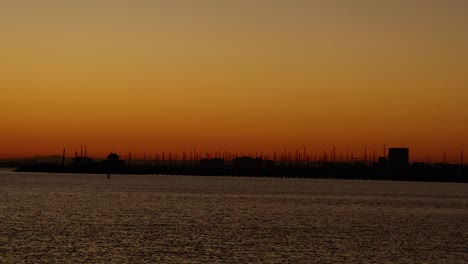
382	162
398	157
216	163
247	163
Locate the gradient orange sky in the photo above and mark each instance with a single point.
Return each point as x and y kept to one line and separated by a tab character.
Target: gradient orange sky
256	75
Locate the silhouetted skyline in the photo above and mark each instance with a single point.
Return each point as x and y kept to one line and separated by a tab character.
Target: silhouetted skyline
304	154
392	166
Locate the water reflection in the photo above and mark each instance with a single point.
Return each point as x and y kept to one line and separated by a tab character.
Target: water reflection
74	218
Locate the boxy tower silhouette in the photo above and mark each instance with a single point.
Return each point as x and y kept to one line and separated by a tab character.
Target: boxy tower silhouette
398	157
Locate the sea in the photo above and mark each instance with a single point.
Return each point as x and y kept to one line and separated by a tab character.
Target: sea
77	218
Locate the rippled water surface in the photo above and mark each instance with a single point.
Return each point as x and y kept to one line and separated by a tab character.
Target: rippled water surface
59	218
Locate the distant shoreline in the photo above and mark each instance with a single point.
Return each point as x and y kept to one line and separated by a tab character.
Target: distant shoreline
449	173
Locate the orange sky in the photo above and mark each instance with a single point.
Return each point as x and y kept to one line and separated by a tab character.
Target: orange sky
257	75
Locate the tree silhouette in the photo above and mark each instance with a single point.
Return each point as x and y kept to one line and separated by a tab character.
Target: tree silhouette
113	156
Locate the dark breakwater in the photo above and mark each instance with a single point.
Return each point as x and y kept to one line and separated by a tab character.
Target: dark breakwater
414	172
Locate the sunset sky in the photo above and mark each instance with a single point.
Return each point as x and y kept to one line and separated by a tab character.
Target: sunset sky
243	75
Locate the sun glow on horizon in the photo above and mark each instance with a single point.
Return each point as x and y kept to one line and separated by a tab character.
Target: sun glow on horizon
252	76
